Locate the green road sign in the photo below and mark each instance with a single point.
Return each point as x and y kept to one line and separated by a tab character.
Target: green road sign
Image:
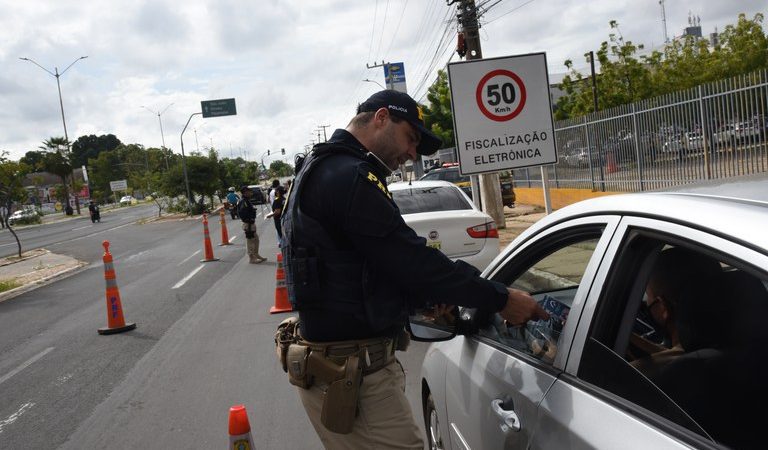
216	108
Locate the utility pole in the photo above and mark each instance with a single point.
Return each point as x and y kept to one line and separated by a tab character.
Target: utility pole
325	136
383	64
490	189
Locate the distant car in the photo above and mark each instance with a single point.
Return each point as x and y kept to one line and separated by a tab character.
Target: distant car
450	172
127	200
442	214
25	213
259	197
577	380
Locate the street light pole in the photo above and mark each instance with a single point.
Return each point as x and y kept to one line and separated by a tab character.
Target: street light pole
162	135
57	75
184	161
374	81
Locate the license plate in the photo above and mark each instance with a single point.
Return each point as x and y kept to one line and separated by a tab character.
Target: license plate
434	244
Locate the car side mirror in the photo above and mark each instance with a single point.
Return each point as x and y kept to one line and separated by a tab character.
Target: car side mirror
434	324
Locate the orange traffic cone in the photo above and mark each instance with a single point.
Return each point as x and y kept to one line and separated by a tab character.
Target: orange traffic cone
115	321
239	429
224	234
207	242
281	292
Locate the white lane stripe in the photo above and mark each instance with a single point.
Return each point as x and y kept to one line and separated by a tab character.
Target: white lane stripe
90	235
232	239
188	258
15	416
82	228
25	364
187	278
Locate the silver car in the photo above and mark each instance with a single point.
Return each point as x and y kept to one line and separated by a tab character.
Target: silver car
606	371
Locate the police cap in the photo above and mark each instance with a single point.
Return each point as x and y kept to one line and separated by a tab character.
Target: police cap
402	105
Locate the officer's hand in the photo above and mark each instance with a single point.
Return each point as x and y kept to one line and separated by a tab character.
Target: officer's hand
521	308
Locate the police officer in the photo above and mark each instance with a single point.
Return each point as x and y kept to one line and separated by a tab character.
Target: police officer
232	201
247	214
354	267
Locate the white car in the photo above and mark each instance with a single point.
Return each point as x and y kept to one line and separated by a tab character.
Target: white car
126	200
22	214
583	379
442	214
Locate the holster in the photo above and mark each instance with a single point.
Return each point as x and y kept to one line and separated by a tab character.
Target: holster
340	400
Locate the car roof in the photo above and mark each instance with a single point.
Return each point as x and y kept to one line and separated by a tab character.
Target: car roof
400	185
738	218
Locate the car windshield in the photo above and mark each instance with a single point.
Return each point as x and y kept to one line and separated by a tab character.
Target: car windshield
428	199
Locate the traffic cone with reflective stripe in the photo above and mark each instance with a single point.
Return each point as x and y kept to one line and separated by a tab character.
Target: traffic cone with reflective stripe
207	242
115	321
281	291
224	233
239	429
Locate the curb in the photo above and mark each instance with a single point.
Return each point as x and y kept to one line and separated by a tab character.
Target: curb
7	295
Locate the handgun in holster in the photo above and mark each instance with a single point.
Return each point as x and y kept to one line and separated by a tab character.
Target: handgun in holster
340	400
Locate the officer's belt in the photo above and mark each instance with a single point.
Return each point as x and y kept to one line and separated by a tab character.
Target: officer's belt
374	353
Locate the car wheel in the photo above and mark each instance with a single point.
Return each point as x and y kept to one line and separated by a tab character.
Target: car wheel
432	425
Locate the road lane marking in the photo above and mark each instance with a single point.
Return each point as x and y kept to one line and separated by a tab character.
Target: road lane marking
91	235
25	364
82	228
187	278
187	258
15	416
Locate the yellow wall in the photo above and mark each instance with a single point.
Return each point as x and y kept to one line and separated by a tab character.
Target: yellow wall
559	197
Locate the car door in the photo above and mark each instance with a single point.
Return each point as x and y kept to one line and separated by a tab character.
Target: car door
602	400
497	377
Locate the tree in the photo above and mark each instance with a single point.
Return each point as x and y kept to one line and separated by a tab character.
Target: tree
280	169
11	190
437	115
103	169
687	62
33	159
57	163
87	147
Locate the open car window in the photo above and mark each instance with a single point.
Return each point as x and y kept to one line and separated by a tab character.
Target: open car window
552	273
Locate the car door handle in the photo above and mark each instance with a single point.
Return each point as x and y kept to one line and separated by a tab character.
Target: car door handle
509	418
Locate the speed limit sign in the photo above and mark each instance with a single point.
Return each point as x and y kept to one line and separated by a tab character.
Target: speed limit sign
502	113
500	95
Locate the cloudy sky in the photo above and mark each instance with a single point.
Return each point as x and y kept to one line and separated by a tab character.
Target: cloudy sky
292	66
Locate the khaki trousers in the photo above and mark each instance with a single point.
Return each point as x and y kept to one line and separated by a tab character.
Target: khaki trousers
251	245
384	421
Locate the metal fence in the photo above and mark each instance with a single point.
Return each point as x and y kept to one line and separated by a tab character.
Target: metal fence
712	131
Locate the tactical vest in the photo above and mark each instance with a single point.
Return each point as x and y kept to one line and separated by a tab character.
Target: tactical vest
319	274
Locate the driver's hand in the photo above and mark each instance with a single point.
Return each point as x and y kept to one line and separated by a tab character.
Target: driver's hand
521	308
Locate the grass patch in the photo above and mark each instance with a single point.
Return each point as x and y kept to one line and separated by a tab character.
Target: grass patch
7	285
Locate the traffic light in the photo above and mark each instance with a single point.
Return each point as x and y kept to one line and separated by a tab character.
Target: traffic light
282	150
267	152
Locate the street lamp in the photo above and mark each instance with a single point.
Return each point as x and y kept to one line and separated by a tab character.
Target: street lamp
162	135
56	74
373	81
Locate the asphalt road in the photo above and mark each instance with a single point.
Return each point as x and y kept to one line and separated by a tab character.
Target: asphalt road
204	342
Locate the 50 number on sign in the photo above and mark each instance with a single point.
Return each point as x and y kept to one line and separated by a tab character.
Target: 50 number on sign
501	95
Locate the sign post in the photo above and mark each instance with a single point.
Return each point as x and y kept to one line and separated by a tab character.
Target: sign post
502	113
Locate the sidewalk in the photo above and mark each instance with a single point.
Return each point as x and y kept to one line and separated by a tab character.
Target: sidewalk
36	268
518	219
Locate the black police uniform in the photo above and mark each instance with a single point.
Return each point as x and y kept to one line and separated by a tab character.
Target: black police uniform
353	266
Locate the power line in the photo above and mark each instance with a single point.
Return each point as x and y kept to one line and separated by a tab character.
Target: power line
373	30
509	12
397	29
383	27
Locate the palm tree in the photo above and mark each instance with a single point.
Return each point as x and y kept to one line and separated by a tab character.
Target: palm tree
56	161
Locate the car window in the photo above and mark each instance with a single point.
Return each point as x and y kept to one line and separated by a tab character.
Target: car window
553	277
432	176
436	198
677	333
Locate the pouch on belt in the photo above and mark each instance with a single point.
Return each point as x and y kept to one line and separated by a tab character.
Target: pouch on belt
296	360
